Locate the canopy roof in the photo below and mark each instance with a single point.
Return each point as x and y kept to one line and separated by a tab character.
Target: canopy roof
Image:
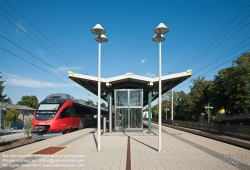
130	81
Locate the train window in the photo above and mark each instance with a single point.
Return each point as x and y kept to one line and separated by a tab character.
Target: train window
72	112
81	110
64	113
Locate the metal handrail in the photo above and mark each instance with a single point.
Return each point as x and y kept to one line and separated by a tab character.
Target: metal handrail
225	129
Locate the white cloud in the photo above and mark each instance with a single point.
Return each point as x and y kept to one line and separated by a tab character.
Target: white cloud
150	75
21	27
14	80
143	61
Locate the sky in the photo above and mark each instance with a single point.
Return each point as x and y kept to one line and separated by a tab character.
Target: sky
41	40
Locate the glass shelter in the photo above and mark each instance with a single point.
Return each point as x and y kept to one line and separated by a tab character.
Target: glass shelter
128	109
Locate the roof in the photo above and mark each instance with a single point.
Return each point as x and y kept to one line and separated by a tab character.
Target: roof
130	81
17	107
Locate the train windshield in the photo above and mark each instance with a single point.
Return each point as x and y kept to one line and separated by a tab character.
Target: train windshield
48	108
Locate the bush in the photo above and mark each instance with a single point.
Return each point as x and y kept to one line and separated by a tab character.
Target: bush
27	126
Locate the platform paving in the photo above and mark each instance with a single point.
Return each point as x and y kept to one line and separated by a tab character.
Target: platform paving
180	150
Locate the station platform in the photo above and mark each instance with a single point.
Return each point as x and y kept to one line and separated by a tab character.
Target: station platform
78	150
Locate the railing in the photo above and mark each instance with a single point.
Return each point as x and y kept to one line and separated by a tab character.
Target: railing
225	129
8	131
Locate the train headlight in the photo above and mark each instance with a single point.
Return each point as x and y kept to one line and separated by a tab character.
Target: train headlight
40	128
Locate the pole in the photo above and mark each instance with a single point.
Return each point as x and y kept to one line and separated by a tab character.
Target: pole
149	111
110	114
1	115
99	101
159	119
172	105
86	97
166	112
208	118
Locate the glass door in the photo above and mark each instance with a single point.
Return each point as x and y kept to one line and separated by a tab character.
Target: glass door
128	109
121	118
135	118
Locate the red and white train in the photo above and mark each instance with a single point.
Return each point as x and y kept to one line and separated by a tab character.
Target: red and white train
60	113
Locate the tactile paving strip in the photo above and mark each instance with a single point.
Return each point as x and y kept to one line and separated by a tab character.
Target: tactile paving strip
50	150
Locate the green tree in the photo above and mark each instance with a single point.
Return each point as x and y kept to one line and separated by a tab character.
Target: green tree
30	101
185	106
199	96
103	105
11	116
91	103
2	97
232	87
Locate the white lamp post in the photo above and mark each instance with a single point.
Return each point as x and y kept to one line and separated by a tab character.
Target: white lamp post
161	29
99	31
172	104
208	115
167	113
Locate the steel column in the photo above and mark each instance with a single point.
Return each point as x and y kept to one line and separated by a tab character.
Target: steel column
149	111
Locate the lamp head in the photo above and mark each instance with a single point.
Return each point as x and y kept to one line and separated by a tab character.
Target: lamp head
98	30
158	38
161	29
101	38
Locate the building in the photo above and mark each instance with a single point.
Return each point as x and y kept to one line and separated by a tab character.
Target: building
24	111
145	114
128	94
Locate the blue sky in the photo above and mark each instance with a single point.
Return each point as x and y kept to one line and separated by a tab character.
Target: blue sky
56	37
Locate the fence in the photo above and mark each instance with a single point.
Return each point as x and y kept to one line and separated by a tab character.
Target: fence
225	129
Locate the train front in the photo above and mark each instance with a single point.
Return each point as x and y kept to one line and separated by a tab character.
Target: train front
45	124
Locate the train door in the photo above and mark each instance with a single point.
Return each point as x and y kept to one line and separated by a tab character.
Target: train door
72	116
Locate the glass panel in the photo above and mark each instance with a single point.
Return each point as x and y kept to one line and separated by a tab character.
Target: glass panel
48	107
121	98
135	118
136	98
121	118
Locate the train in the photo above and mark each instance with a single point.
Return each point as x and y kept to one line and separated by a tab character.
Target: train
61	113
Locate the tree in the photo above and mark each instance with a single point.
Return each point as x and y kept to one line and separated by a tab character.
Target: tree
2	97
30	101
232	87
103	105
11	116
199	96
91	103
184	106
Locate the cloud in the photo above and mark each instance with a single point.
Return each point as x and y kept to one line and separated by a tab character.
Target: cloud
143	61
14	80
82	40
150	75
21	27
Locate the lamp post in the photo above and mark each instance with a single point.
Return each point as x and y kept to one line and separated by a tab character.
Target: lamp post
208	107
172	104
160	29
167	112
1	116
99	31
